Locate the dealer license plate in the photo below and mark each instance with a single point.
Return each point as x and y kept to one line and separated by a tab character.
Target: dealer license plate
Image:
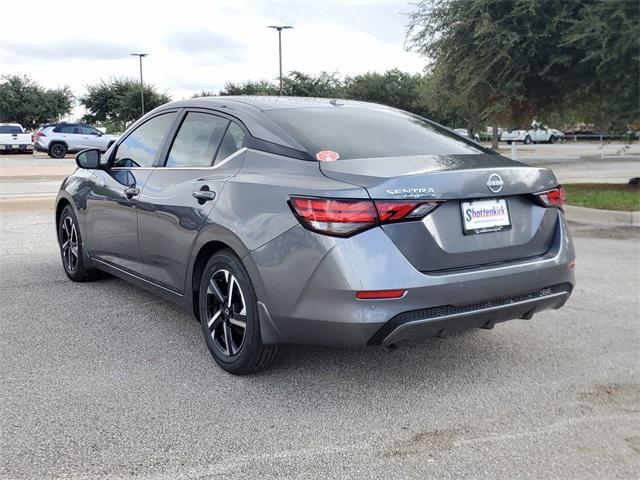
482	216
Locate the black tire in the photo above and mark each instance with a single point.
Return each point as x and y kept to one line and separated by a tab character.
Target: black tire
57	150
509	142
527	140
74	263
552	139
238	350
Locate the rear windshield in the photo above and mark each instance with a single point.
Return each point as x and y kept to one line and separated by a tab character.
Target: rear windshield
10	129
357	132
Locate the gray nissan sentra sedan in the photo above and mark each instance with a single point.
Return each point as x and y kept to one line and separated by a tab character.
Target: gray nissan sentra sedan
292	220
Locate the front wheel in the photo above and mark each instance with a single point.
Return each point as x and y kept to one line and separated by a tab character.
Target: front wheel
229	319
552	139
527	140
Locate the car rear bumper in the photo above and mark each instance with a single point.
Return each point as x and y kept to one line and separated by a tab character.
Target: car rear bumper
443	320
40	147
307	284
16	147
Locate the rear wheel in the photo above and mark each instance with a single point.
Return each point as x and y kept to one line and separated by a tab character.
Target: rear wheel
552	139
527	140
229	317
71	249
57	150
509	142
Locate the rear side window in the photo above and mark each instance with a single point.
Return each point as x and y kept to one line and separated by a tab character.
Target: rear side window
232	142
139	149
358	132
10	129
67	129
197	140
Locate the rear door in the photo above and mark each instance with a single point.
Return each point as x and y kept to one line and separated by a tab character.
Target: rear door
113	199
69	134
182	191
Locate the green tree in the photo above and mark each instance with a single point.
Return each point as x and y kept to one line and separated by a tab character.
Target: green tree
324	85
23	101
606	36
204	93
116	103
393	88
529	58
261	87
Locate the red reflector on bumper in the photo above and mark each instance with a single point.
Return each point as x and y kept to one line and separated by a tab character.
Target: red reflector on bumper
379	294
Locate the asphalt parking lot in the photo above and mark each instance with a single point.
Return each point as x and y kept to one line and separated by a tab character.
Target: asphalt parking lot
104	380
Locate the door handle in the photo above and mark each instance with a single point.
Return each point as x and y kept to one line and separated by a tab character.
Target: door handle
131	192
204	195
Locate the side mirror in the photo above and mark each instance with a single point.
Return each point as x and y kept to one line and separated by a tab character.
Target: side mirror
89	158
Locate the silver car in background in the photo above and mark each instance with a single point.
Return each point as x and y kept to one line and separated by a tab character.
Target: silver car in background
286	220
61	138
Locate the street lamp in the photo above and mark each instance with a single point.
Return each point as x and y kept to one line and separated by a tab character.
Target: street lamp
140	55
280	28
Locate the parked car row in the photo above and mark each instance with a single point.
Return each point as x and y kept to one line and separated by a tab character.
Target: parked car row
56	139
538	134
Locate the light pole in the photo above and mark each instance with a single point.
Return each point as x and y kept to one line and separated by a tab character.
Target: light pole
280	28
140	55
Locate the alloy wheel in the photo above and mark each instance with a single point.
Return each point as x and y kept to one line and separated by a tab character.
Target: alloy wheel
69	244
226	313
58	151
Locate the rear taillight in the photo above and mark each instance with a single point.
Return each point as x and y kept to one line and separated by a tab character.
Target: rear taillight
32	138
41	134
552	198
341	217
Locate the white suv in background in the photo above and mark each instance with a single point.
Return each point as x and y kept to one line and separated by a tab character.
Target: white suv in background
58	139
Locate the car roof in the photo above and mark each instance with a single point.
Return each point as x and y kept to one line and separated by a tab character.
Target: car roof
265	103
250	111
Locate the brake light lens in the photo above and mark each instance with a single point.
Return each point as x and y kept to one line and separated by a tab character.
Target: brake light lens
344	217
552	198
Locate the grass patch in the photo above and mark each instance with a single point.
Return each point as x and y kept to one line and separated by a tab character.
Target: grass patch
607	196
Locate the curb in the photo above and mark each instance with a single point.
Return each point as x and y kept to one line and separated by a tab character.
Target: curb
594	216
32	178
28	204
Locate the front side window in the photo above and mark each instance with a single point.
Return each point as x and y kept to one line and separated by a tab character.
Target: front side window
87	130
139	149
197	140
232	142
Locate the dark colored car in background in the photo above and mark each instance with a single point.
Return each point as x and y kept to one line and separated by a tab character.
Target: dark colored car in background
283	220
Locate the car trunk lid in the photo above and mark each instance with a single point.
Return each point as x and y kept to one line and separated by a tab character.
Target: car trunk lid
439	242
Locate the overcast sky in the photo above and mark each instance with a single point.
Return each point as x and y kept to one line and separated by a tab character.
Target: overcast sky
195	45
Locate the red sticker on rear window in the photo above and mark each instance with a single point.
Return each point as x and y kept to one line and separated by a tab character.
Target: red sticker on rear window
327	156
